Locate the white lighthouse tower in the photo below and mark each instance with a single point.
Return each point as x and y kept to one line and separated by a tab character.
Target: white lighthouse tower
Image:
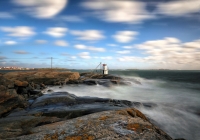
105	69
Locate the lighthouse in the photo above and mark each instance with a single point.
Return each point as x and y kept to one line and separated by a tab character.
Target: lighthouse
105	69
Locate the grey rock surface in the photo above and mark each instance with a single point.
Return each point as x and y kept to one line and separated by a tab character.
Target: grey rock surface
107	125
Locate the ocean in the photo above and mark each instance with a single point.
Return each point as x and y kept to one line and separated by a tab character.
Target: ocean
175	96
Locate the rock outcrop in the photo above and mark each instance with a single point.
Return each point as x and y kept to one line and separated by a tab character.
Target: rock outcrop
32	82
41	77
12	127
92	75
17	87
105	80
119	124
65	105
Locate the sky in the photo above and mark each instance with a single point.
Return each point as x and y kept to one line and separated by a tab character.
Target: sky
79	34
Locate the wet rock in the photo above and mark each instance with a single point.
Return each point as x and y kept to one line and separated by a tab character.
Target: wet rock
106	82
149	105
66	105
31	86
197	113
37	86
128	103
73	82
4	95
125	83
42	86
137	104
11	86
103	125
21	83
49	90
12	127
36	92
92	75
53	99
90	82
103	82
6	82
18	112
22	90
115	81
9	100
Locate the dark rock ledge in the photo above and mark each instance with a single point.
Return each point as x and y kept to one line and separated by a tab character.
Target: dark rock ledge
65	116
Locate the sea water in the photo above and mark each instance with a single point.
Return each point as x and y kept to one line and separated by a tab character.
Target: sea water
176	93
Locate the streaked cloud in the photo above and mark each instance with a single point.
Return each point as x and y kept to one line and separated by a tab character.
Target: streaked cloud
6	15
119	11
41	41
131	58
178	7
125	36
2	57
3	62
72	18
21	52
73	57
193	45
61	43
112	45
56	31
123	52
167	51
41	8
65	54
89	35
14	61
83	47
10	42
19	31
106	57
127	47
84	55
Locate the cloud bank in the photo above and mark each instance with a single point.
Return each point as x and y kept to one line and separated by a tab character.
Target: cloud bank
41	8
89	35
118	11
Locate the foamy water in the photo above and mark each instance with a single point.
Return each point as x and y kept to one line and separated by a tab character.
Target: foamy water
178	103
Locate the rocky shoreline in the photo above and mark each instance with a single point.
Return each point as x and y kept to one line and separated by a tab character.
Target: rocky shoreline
27	113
